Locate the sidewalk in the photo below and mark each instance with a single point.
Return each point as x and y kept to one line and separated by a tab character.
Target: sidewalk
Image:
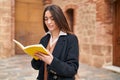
19	68
86	72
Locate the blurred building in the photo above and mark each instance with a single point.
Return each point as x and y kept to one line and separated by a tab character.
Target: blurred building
95	22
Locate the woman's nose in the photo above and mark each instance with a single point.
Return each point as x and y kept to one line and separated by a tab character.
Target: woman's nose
49	21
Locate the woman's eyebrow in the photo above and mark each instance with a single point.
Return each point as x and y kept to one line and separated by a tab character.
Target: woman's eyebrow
48	17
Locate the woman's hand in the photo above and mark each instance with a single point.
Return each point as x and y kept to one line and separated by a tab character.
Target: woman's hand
46	58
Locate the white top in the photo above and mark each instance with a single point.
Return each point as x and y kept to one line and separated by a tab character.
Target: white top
54	41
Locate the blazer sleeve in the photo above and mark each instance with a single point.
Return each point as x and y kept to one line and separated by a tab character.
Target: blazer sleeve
37	64
69	67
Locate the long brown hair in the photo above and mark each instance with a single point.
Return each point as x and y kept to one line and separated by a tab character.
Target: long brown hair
58	17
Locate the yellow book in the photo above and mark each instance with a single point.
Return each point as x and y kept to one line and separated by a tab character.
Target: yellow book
32	49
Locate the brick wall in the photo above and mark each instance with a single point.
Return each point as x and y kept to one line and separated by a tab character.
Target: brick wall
6	28
93	26
28	22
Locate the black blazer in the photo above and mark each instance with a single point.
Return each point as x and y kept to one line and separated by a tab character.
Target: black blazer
66	59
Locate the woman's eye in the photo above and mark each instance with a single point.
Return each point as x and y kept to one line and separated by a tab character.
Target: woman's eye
46	19
52	18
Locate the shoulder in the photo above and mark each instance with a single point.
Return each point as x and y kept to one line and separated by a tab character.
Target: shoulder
45	37
69	36
72	37
72	41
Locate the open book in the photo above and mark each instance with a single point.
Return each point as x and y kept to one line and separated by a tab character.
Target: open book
32	49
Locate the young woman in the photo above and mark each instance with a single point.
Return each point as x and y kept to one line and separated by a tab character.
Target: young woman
62	61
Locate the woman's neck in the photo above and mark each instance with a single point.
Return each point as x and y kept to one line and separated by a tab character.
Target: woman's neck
55	34
54	37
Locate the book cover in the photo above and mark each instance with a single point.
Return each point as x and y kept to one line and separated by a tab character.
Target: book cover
32	49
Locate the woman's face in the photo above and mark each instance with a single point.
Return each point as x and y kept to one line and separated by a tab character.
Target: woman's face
49	21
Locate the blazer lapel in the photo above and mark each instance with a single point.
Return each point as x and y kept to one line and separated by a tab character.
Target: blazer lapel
46	40
60	46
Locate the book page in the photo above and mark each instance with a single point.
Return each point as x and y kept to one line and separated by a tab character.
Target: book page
19	44
37	48
32	49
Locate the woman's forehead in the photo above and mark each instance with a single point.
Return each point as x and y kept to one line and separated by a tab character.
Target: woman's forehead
48	13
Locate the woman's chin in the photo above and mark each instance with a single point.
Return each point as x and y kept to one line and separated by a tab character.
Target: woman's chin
51	30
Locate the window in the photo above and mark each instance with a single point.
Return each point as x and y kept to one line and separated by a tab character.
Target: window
70	18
